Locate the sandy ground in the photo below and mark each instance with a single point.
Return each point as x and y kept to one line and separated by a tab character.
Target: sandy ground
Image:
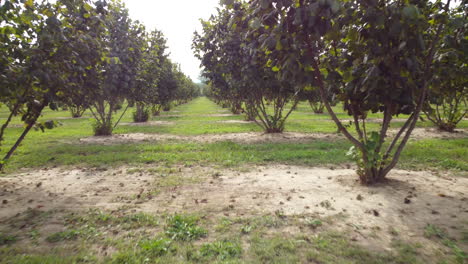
251	137
422	133
218	115
257	137
235	122
406	203
149	123
369	120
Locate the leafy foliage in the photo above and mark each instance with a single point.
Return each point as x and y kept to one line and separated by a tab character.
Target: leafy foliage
81	54
447	104
372	56
238	77
35	60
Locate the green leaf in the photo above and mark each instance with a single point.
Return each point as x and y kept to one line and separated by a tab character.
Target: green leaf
411	12
279	46
255	24
29	3
87	7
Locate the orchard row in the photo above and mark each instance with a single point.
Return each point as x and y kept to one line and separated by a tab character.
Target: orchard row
82	55
372	56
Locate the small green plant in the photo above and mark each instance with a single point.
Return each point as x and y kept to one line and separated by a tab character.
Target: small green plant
184	228
61	236
222	250
314	223
126	257
224	225
34	235
280	214
372	158
246	229
7	239
137	220
156	247
269	221
434	231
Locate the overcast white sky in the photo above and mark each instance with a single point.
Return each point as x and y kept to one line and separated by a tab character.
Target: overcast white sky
177	20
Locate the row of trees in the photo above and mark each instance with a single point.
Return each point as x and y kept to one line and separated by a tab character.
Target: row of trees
85	55
392	57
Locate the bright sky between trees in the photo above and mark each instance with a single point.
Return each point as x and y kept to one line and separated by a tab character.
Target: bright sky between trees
177	20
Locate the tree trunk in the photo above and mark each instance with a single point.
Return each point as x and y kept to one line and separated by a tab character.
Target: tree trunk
372	176
142	114
317	107
77	111
250	112
156	110
22	137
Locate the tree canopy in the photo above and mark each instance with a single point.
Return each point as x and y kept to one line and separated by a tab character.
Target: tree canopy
85	55
372	56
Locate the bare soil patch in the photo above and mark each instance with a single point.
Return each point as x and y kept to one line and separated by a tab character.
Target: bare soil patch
251	137
406	204
258	137
162	115
235	122
219	115
371	120
422	133
149	123
76	189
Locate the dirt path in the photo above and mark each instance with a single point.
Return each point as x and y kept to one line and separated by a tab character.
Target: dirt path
407	203
150	123
258	137
251	137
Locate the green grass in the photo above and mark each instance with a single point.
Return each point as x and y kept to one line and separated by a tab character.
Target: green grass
96	218
184	228
61	146
137	237
429	153
62	236
221	250
156	247
266	244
